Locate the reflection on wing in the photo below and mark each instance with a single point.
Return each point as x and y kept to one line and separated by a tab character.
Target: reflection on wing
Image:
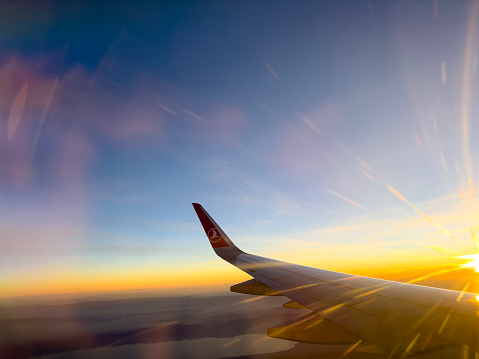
372	315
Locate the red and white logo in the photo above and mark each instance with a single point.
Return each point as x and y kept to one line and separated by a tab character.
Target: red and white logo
214	235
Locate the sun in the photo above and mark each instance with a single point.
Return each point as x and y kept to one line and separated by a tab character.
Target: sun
473	261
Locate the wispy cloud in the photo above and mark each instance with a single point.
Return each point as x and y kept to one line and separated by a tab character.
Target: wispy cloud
390	237
115	250
256	191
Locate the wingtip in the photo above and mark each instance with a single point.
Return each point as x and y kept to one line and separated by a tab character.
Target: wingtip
197	207
214	233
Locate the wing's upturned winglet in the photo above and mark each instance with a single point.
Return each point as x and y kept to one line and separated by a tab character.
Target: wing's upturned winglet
218	239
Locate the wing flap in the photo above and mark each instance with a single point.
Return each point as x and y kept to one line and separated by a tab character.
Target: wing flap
315	331
294	305
254	287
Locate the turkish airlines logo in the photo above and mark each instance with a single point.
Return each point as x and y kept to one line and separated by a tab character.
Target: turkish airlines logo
213	235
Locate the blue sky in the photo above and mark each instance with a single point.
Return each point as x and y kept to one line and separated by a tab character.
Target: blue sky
287	121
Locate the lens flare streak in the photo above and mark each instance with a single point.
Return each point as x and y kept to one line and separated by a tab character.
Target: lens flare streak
464	290
16	111
426	217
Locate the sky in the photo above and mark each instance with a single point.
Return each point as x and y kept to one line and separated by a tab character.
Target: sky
338	135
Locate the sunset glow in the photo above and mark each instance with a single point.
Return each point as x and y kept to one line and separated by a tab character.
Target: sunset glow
351	152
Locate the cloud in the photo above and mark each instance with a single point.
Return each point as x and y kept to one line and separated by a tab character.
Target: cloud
115	250
389	237
52	240
128	199
247	188
22	240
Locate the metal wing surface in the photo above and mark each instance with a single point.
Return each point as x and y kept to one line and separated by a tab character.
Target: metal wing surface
372	315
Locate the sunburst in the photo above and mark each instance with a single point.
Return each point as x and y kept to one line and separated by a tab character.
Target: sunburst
473	261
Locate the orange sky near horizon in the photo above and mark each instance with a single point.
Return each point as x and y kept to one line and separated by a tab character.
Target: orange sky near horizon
442	273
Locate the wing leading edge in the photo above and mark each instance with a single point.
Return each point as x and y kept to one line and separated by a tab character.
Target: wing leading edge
375	315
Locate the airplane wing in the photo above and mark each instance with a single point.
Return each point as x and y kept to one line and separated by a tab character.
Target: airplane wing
371	315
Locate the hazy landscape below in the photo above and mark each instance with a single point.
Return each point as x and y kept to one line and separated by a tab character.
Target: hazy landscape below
212	323
141	324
